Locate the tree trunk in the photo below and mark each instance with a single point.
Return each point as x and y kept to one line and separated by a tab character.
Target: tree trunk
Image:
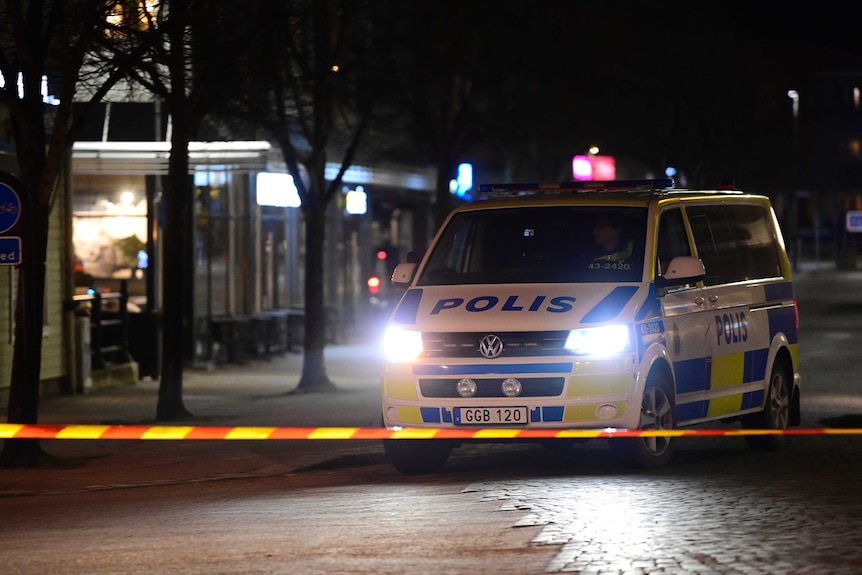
177	302
177	292
29	313
314	376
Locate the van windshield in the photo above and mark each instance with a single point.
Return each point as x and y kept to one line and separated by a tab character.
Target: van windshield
559	244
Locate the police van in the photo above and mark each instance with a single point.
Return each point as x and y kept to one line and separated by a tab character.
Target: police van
624	305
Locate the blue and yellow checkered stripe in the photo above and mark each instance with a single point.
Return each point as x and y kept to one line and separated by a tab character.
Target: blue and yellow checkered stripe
716	373
735	369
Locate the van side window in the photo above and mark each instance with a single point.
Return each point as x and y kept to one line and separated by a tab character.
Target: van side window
735	242
672	239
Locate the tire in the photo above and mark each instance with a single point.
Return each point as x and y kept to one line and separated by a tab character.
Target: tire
657	412
776	411
417	456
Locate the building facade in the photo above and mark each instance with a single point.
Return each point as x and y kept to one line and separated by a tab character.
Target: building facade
248	257
57	336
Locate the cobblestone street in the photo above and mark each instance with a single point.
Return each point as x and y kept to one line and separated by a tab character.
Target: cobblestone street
723	512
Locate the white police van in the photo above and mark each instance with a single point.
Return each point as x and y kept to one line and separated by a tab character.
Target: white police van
624	304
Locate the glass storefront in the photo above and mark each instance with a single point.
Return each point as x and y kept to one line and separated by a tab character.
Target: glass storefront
278	247
247	262
221	256
116	236
109	224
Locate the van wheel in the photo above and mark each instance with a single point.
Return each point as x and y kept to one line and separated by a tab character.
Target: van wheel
656	413
775	414
417	456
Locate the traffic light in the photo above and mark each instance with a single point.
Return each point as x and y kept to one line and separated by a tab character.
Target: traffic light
373	285
384	258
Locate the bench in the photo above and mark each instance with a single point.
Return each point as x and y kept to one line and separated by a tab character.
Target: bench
260	335
233	335
278	330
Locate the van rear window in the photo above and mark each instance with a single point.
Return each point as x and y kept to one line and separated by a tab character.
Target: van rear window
560	244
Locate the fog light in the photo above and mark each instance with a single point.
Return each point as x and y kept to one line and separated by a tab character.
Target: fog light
392	413
467	387
511	387
606	411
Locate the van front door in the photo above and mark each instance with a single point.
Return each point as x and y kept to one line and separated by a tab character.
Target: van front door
685	314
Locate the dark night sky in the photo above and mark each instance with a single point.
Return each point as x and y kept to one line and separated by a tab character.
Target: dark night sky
678	81
830	23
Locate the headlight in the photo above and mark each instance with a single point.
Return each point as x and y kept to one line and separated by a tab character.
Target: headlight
401	344
605	340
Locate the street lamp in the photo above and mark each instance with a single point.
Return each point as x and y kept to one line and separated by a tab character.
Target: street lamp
794	96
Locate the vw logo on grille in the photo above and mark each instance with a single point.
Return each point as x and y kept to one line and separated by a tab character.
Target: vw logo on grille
491	346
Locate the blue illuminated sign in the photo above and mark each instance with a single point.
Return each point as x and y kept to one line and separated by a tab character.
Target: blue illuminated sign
464	181
854	221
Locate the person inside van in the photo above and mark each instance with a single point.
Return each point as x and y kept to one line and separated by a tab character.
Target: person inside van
612	251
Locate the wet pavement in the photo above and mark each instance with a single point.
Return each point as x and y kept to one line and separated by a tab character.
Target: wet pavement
259	393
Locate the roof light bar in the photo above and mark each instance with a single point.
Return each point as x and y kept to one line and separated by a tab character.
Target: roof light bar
657	184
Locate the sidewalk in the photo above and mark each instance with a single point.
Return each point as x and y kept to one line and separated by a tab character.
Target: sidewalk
820	283
254	394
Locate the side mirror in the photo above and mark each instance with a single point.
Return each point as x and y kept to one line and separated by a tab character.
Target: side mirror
404	273
684	270
681	270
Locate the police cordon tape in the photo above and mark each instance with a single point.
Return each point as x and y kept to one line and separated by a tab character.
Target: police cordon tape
182	432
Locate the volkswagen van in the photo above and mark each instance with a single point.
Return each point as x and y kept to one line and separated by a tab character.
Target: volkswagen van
603	305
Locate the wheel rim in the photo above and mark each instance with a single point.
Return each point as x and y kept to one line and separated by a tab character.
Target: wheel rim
656	414
779	401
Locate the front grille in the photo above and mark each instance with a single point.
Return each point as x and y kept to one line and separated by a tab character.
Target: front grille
515	344
490	387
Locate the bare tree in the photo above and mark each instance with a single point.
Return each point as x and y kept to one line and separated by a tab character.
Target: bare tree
310	84
47	39
195	45
446	53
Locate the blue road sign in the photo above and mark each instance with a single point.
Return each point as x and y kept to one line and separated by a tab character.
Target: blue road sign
10	251
10	208
854	221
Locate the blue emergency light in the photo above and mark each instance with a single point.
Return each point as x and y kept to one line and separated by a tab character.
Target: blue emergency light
584	186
